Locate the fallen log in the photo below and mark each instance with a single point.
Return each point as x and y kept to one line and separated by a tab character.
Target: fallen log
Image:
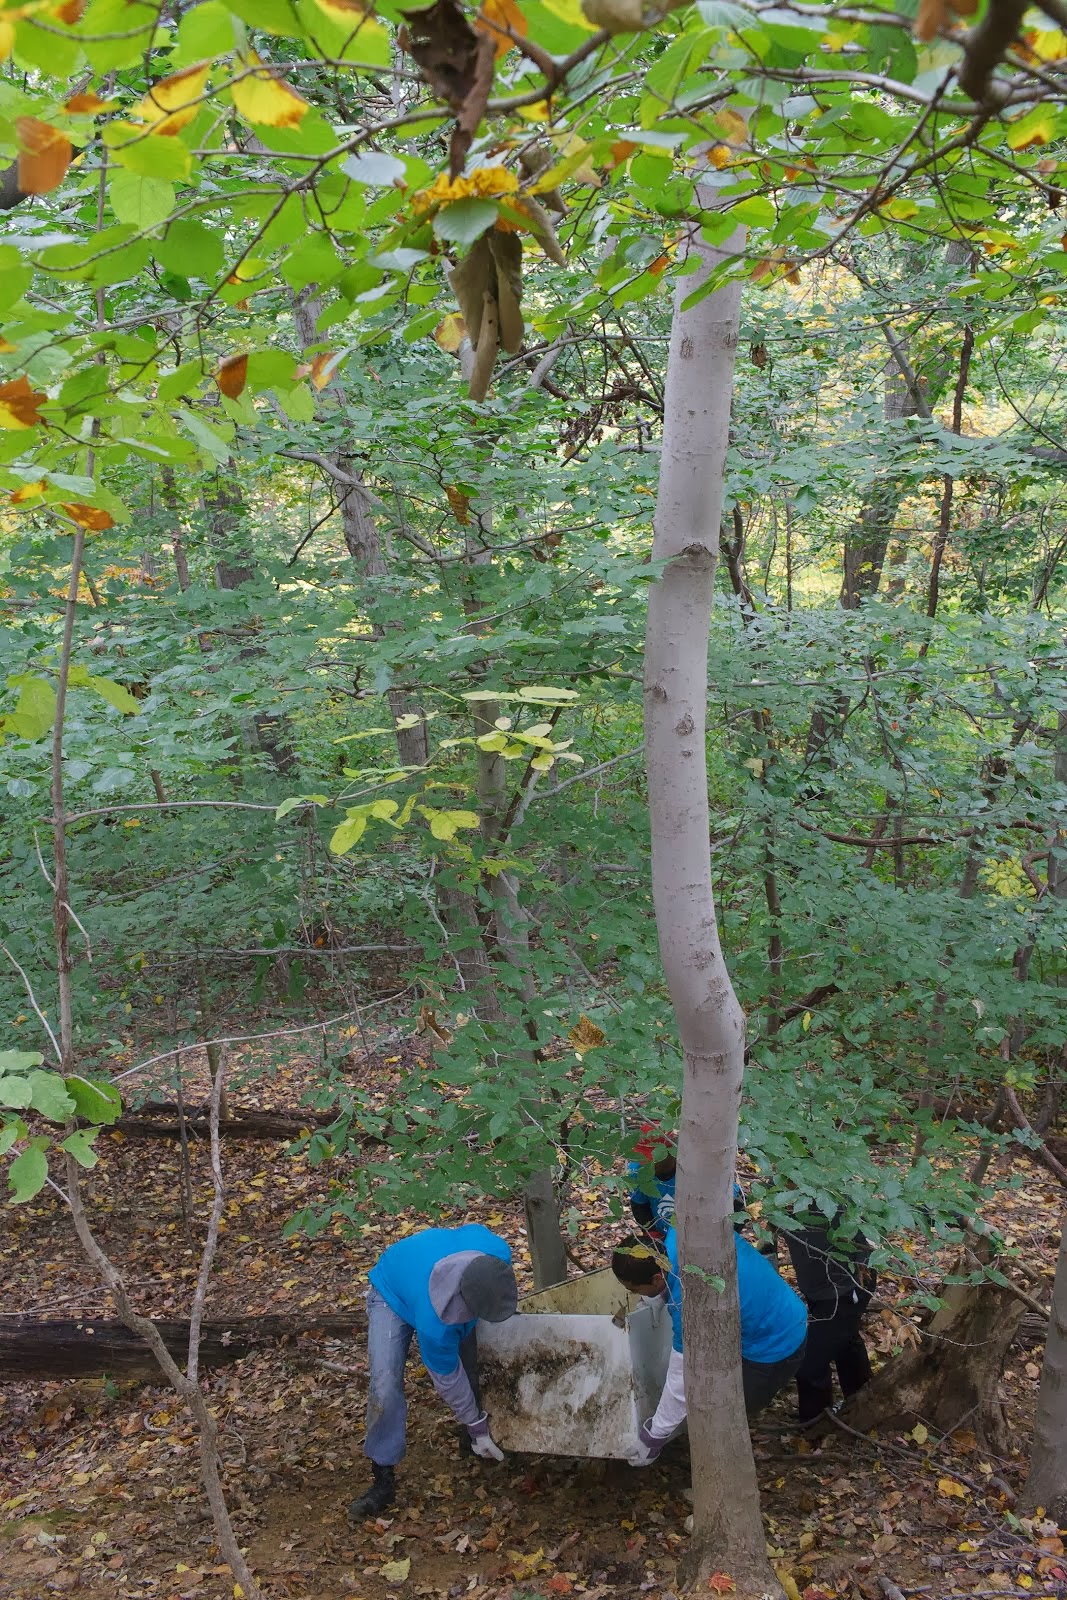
100	1346
252	1125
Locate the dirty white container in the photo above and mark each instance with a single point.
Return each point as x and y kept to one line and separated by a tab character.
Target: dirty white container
576	1371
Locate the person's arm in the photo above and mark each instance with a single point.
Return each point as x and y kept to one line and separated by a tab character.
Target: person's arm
456	1392
669	1415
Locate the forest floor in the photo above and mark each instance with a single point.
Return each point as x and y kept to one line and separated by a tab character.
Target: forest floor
99	1485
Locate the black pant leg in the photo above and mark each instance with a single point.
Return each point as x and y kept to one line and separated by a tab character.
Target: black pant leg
815	1382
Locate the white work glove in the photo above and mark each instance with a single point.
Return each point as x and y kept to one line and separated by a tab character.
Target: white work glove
482	1441
646	1449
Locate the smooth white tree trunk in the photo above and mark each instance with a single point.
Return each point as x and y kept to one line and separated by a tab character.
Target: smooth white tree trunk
728	1533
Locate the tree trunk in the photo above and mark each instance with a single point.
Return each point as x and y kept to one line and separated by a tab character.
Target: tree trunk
953	1375
867	541
728	1532
1047	1484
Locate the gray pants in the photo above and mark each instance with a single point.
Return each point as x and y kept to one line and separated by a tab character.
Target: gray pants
388	1342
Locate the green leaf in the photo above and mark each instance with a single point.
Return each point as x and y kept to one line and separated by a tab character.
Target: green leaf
153	155
48	1095
272	16
115	695
35	710
15	1091
80	1143
19	1060
95	1099
183	381
142	202
207	438
188	247
465	220
348	833
27	1175
9	1133
375	167
204	32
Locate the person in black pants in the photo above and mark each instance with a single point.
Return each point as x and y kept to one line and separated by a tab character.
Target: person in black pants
834	1278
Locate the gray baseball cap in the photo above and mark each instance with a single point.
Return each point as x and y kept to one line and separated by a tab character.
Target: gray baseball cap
489	1289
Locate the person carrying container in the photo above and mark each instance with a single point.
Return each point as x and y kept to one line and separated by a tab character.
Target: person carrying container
773	1329
435	1285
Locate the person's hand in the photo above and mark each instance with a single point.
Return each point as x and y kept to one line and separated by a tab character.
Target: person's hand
647	1448
482	1441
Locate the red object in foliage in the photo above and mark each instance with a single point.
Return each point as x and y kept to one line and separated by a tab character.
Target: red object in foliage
653	1137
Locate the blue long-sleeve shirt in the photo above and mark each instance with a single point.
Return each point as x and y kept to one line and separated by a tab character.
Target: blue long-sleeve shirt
774	1320
401	1276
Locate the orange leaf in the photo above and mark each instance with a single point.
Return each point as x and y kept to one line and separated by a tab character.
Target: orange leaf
29	491
660	264
496	18
460	503
323	368
44	155
264	98
621	151
929	19
232	376
19	404
720	155
92	517
83	103
721	1583
559	1584
69	11
174	101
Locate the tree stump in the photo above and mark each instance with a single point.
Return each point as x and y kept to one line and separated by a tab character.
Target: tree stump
953	1375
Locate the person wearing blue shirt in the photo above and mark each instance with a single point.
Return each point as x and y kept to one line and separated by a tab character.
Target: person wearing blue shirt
773	1329
435	1286
652	1199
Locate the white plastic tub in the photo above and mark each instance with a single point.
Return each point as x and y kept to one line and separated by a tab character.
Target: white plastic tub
576	1371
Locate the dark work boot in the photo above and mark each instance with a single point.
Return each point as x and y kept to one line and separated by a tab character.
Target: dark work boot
373	1501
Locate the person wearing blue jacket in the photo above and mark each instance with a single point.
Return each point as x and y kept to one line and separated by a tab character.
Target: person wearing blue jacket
435	1285
774	1324
654	1173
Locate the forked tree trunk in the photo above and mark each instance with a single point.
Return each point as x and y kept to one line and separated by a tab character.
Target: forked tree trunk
728	1534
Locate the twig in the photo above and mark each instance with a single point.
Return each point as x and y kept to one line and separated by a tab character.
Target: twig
274	1033
46	1025
207	1257
591	772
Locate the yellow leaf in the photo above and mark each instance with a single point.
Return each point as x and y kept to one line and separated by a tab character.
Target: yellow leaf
788	1582
900	210
180	1566
968	1546
1036	127
396	1571
29	491
174	101
450	332
262	97
540	111
19	404
805	1021
499	19
951	1489
7	39
732	124
919	1433
1047	44
570	11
